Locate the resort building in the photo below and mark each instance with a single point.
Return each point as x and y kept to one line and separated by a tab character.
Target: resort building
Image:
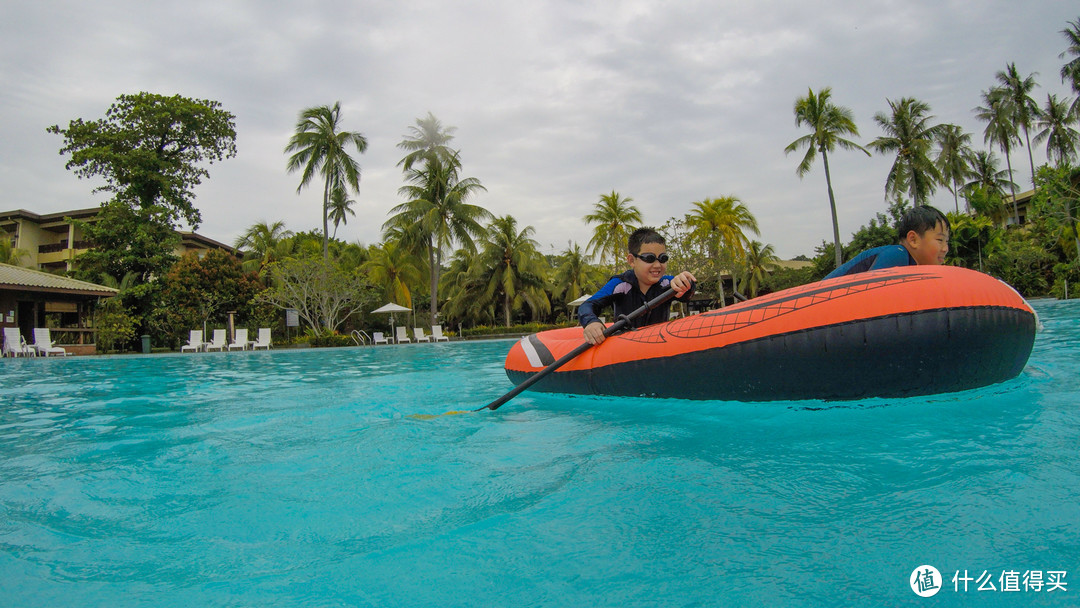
52	241
32	298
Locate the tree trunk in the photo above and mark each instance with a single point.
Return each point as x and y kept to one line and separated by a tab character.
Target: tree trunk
832	207
325	224
435	262
506	308
1012	187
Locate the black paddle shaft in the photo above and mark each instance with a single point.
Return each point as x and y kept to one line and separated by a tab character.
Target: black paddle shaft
619	323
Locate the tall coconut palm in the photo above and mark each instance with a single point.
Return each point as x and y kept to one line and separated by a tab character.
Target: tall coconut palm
1070	72
1000	130
722	224
514	269
340	206
760	261
393	269
262	244
8	253
910	135
614	217
464	287
1025	109
1056	129
954	148
319	146
574	275
829	124
438	213
985	173
428	137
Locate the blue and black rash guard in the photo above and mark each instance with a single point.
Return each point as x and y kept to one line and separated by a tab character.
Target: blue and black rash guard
873	259
624	296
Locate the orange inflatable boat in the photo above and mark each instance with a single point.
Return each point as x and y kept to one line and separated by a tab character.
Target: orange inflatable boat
896	332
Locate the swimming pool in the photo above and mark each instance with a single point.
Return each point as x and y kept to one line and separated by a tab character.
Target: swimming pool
298	478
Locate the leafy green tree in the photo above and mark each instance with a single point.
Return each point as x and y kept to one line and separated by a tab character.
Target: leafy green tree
614	217
126	240
954	148
1070	72
114	326
437	213
1056	123
909	134
262	244
972	239
987	202
1000	129
514	271
323	295
1057	202
392	268
1024	109
464	285
320	147
1023	263
760	261
198	291
722	224
150	150
829	124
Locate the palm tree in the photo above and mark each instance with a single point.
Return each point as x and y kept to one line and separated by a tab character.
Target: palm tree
721	224
1000	130
909	134
340	206
464	287
262	244
393	269
1056	121
760	261
1025	109
575	276
428	137
1070	72
985	173
437	212
513	268
8	253
613	216
954	147
829	124
320	147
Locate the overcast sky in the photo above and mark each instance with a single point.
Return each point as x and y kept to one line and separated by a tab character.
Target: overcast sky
555	103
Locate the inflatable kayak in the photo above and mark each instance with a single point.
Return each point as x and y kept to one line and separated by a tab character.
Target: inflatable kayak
897	332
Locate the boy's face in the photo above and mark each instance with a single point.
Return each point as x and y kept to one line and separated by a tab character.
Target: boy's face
929	247
648	274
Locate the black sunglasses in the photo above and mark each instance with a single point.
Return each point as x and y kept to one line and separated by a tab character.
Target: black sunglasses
649	258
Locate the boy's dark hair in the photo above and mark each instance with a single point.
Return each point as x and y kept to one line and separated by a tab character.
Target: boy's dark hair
643	236
920	219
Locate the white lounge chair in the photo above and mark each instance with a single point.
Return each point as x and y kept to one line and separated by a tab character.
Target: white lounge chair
195	342
15	345
43	343
379	338
239	340
436	333
418	333
400	335
218	343
264	339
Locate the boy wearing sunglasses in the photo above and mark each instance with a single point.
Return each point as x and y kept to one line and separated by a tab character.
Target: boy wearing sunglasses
632	289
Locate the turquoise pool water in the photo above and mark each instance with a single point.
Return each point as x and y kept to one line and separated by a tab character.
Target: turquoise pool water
298	478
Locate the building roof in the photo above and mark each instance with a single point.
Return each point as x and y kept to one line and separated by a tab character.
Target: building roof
17	277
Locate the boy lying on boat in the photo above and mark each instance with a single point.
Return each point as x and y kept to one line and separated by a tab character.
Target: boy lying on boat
630	290
924	239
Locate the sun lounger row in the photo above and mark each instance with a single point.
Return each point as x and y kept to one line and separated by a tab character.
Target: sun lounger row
401	335
15	345
218	342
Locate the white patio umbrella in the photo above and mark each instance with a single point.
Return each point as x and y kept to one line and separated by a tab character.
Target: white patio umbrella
391	308
578	302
